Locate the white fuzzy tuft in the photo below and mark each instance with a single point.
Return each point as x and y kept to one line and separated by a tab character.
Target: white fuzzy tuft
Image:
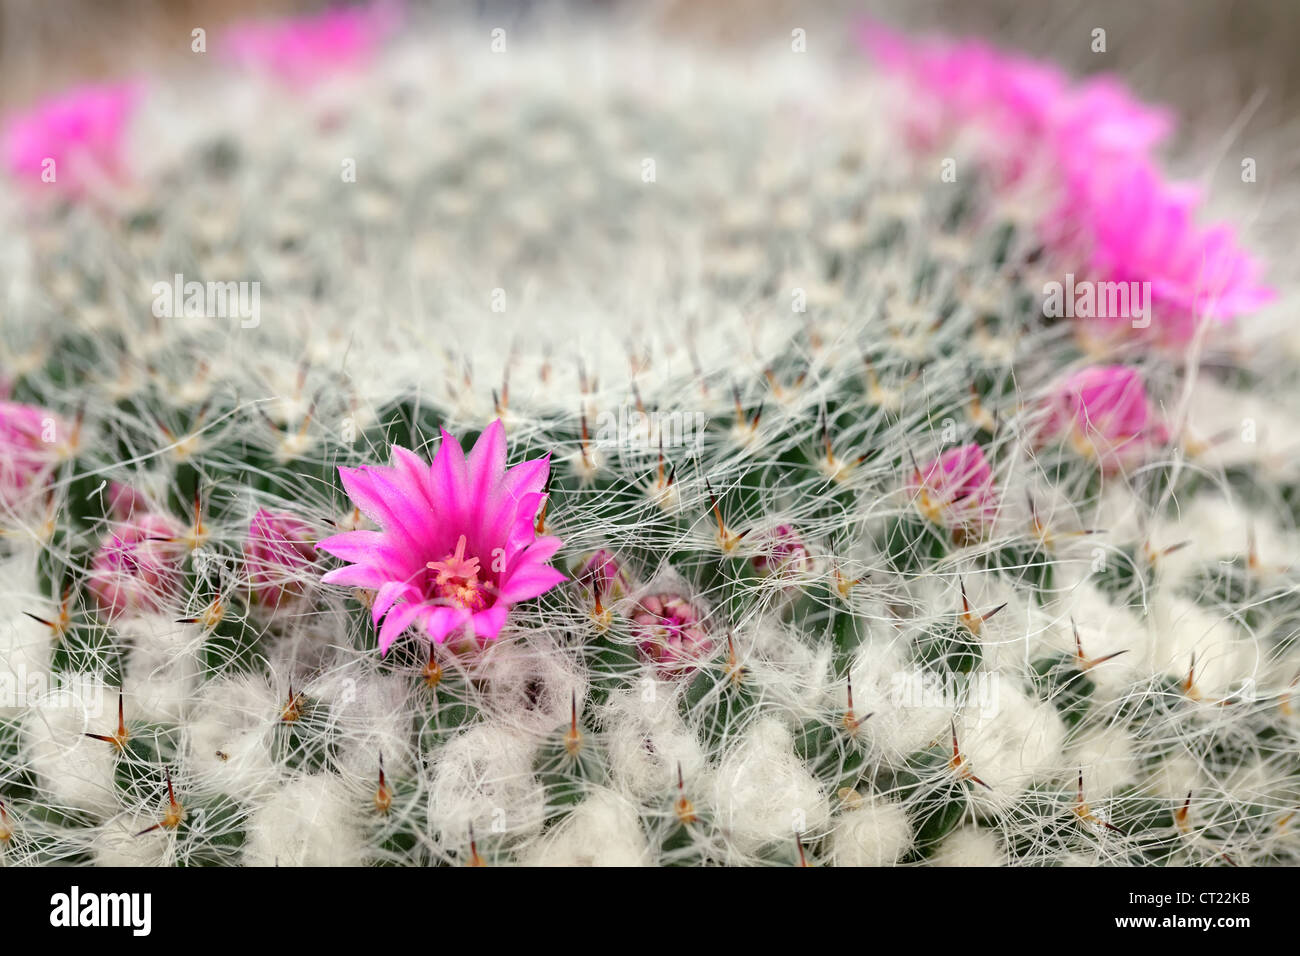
312	820
763	794
603	830
875	834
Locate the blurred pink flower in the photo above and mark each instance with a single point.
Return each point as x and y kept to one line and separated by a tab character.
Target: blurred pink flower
1103	121
31	443
1094	141
1104	412
1021	107
670	634
82	130
306	49
138	565
956	489
458	544
965	84
278	550
1142	229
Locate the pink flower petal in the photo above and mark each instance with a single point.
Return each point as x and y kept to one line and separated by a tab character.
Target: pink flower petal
395	623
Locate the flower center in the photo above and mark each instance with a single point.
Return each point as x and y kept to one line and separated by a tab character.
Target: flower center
456	582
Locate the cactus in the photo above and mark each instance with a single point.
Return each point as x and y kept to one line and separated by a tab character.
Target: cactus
823	541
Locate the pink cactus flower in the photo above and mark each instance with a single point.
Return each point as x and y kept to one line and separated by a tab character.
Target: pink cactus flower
304	50
32	440
956	489
670	634
82	131
784	552
138	566
277	552
1104	122
1143	229
1105	414
457	544
1092	141
1019	106
1007	101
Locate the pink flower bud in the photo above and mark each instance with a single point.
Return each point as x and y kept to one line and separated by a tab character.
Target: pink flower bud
603	575
138	566
783	552
278	549
956	489
670	634
1104	412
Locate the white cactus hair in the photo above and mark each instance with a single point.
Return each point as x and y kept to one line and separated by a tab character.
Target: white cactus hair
825	312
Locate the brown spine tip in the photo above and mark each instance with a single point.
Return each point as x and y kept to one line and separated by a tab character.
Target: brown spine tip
474	858
989	614
546	501
958	763
573	736
383	794
432	671
735	670
851	721
293	709
968	618
683	807
174	815
1180	815
1189	682
586	458
727	540
120	736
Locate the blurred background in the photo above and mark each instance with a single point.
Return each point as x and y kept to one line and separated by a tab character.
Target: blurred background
1234	58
